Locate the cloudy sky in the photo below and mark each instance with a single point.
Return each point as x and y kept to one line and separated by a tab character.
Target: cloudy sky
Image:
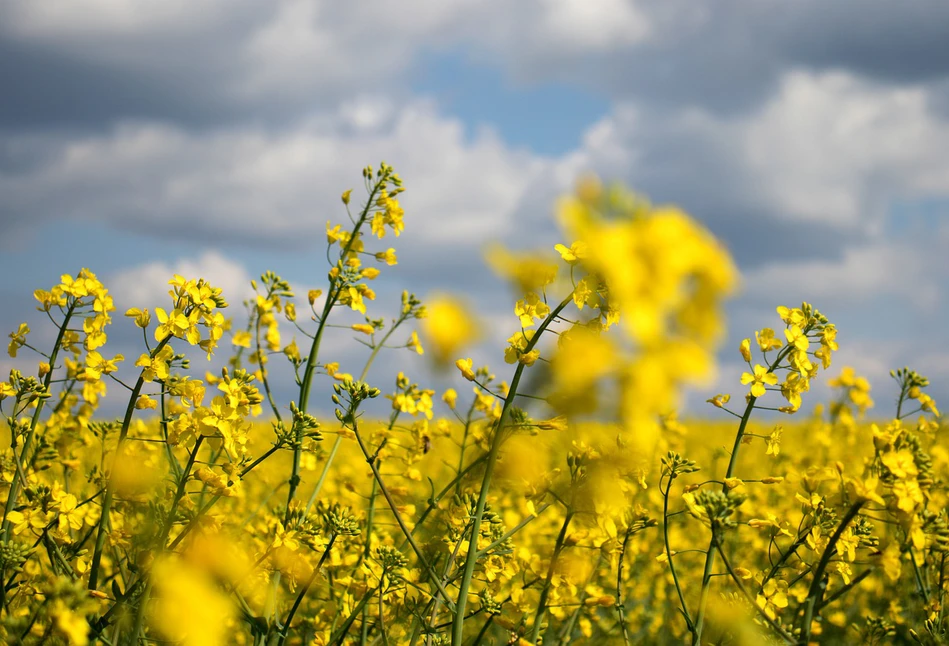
213	138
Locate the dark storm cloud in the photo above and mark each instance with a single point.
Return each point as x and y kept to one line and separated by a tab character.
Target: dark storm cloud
728	56
893	42
725	58
47	89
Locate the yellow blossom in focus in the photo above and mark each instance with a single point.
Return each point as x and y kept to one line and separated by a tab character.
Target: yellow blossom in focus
767	341
465	366
758	380
745	348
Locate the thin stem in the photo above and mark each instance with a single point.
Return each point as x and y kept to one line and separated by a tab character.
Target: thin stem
919	579
332	293
729	472
620	607
816	591
458	629
262	362
110	488
28	440
398	517
545	591
306	586
854	582
669	555
771	622
710	554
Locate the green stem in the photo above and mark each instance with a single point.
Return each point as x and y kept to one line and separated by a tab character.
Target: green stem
771	622
332	294
324	473
844	590
816	591
339	438
28	440
303	590
110	488
458	628
919	579
262	362
179	492
710	555
669	555
729	472
620	605
371	460
545	591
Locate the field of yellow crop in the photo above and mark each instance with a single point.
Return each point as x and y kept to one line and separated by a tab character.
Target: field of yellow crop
560	500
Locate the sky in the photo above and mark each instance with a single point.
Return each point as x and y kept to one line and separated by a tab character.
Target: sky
214	138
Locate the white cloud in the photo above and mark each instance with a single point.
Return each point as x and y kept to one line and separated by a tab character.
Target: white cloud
257	185
895	271
827	149
147	285
832	147
591	26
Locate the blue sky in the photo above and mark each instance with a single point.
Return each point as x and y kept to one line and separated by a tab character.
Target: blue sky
214	138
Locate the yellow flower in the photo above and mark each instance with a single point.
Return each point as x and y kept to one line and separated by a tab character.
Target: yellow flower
241	339
365	328
865	490
415	344
157	367
70	623
892	561
517	345
142	317
387	256
18	339
796	337
719	401
792	316
188	607
901	463
530	308
336	234
848	543
908	495
292	352
144	402
577	252
465	366
766	340
97	365
450	396
774	441
745	348
174	324
758	380
448	327
773	597
527	271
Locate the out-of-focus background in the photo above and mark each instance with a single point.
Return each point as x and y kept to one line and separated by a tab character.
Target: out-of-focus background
214	138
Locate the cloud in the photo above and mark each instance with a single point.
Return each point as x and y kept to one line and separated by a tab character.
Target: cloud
819	166
251	185
147	285
266	62
899	272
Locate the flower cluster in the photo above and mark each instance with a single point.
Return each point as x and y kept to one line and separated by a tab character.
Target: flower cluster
565	503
